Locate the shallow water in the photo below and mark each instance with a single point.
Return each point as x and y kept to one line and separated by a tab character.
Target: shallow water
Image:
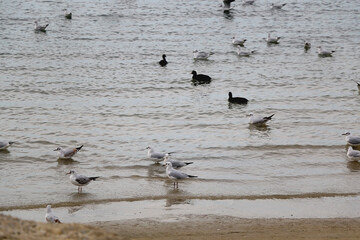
95	80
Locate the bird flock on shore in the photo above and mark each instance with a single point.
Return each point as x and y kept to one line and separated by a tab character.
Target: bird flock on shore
164	158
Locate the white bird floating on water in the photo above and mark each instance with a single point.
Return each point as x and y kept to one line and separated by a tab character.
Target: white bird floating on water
238	42
156	156
67	15
80	180
67	153
201	55
352	140
175	174
277	6
270	40
40	28
259	120
50	217
244	53
323	53
353	154
5	144
175	164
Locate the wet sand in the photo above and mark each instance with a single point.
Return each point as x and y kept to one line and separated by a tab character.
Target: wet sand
186	227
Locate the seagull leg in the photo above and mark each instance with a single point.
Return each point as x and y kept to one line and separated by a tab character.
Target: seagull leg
78	189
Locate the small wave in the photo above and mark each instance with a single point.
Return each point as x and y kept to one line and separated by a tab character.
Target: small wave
184	198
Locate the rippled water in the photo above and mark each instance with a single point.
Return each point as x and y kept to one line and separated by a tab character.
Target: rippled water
95	80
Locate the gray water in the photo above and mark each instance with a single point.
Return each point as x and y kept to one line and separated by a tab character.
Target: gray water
94	80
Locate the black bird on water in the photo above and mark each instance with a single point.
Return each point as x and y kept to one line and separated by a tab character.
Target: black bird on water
163	62
201	78
238	100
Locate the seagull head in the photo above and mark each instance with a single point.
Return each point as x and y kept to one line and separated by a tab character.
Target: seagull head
346	133
71	172
48	208
168	164
58	149
250	115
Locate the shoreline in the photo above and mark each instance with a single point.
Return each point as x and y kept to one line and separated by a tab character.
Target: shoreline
202	227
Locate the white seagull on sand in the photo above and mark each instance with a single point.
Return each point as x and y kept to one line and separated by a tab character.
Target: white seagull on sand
175	174
323	53
50	217
352	140
353	154
259	120
5	144
40	28
201	55
80	180
272	40
175	164
156	156
67	153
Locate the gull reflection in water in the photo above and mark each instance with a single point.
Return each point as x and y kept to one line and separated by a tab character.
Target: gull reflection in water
175	197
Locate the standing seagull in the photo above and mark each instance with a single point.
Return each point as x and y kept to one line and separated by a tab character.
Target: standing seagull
258	120
5	144
40	28
277	6
67	153
271	40
237	100
80	180
353	154
175	174
323	53
156	156
175	164
163	62
50	217
352	140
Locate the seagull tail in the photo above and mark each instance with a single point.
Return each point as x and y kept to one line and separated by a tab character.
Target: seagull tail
10	143
269	117
187	163
170	153
191	176
284	4
46	25
79	148
93	178
57	221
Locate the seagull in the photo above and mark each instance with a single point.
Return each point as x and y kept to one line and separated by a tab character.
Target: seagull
163	62
80	180
248	2
237	100
352	140
156	156
175	164
201	78
175	174
201	55
244	53
323	53
307	46
353	154
272	40
40	28
238	42
67	153
68	15
258	120
50	217
5	144
277	6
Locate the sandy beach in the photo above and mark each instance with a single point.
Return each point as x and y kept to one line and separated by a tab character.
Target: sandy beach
186	227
